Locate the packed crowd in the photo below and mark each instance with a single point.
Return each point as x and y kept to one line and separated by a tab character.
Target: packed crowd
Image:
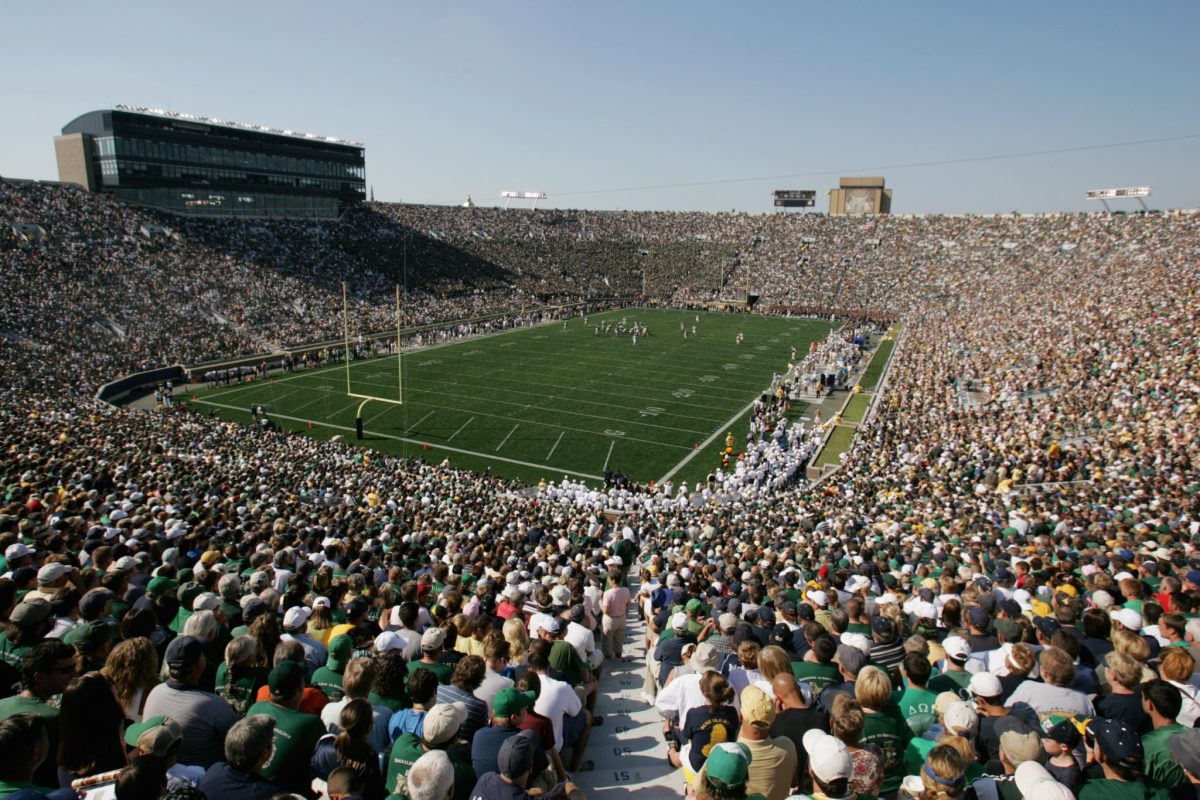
997	594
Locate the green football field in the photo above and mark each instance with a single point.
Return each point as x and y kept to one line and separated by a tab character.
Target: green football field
550	401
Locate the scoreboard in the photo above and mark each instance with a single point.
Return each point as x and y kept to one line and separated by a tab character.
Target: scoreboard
795	198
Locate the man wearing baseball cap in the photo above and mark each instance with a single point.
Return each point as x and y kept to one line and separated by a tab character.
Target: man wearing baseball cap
830	765
509	709
162	737
773	759
514	770
296	733
295	627
1118	751
955	676
204	717
440	732
28	624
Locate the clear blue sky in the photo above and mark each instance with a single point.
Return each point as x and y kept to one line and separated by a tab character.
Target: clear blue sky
569	97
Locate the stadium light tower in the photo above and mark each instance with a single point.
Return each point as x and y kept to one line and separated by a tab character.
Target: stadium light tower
1104	195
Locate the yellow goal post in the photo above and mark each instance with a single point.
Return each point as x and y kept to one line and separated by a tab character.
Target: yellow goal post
366	398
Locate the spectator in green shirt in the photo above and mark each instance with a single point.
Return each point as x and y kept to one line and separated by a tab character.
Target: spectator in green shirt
45	671
884	726
956	677
915	701
329	677
1161	701
296	733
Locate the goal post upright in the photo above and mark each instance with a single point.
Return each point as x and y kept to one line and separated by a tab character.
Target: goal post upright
366	398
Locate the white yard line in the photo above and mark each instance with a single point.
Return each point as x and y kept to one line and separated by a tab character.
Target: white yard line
460	430
422	419
510	433
607	457
556	441
447	448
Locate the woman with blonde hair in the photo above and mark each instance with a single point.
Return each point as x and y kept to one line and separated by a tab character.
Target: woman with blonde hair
517	637
846	722
1133	646
943	775
965	749
321	622
132	668
772	660
883	724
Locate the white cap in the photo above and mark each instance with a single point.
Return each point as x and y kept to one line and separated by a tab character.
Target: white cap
819	598
18	550
295	617
388	640
321	602
206	601
1034	780
52	572
857	582
1126	616
827	756
1102	600
960	719
985	684
924	610
858	641
957	648
679	621
560	596
1123	576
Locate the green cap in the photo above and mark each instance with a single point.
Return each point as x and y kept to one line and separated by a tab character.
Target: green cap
694	605
134	732
509	701
187	594
340	648
286	678
159	586
88	636
728	764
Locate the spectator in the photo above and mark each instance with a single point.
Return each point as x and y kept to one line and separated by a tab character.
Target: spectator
249	746
204	716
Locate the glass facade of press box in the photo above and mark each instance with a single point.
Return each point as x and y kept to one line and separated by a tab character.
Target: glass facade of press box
212	169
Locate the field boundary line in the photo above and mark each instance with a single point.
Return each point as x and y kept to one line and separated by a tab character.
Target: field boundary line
506	438
447	448
704	445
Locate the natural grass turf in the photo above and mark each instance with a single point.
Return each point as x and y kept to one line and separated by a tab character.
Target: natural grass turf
543	402
839	442
874	370
856	409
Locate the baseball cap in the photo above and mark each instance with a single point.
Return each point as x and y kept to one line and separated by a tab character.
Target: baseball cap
49	573
957	648
160	585
296	617
158	736
516	754
286	678
859	641
510	700
1047	625
851	658
18	550
1117	741
977	617
828	757
184	651
787	607
728	764
679	621
1010	629
30	612
443	721
389	640
1021	746
433	639
340	648
1034	780
88	636
694	605
985	684
206	601
1127	617
93	602
960	719
758	709
819	598
1065	732
883	626
1186	749
727	622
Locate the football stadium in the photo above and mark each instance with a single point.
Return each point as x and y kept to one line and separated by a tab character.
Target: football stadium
840	497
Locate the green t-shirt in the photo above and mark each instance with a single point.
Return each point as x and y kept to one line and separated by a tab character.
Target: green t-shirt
1161	766
406	750
818	676
11	706
565	659
950	681
12	654
296	736
12	787
888	731
329	682
917	707
392	704
1106	789
241	693
914	754
444	672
